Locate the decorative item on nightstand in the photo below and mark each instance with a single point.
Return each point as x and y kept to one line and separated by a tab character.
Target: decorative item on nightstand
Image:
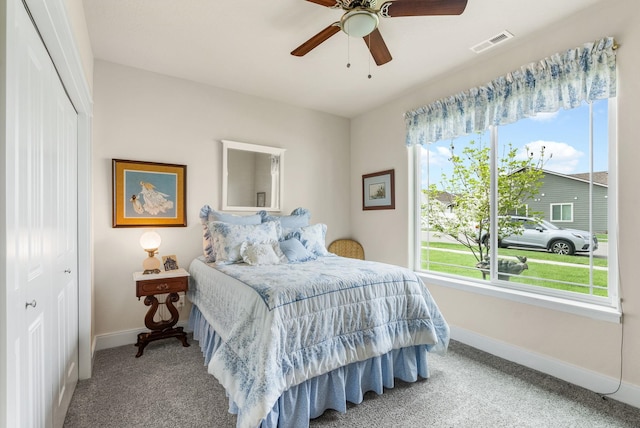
150	242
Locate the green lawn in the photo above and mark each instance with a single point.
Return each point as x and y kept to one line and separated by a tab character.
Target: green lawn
562	277
581	259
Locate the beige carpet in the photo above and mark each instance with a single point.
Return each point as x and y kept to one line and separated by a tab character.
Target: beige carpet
169	387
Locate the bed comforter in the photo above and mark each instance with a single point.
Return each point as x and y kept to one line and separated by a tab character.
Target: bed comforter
283	324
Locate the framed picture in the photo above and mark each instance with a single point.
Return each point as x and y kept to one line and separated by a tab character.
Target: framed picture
148	194
170	262
378	191
260	199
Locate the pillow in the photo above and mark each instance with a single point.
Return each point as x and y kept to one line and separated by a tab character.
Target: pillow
295	251
207	245
228	238
207	215
267	253
298	218
313	238
290	223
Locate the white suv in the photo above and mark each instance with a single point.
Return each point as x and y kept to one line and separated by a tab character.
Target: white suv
542	234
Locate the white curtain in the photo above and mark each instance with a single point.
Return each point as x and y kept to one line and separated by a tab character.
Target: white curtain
563	80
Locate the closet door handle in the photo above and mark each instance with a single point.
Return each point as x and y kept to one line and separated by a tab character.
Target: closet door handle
67	271
33	304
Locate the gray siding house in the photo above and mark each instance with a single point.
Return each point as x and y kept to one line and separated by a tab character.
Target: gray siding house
564	200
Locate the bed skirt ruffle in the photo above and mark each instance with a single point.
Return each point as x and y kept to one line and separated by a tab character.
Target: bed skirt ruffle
332	390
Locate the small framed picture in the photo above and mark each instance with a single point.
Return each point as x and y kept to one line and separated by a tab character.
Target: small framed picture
170	262
378	191
261	199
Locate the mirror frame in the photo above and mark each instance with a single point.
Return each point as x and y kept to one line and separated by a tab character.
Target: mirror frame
235	145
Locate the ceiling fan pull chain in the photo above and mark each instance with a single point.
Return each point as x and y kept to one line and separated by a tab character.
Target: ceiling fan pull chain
369	56
348	49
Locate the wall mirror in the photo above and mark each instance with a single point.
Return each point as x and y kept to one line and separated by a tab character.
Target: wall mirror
252	177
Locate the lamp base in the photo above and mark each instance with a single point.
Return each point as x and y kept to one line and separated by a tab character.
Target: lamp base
151	264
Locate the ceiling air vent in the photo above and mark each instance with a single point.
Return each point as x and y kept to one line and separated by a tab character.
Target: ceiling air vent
489	43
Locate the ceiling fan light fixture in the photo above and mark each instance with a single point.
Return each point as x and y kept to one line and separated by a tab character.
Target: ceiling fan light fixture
359	22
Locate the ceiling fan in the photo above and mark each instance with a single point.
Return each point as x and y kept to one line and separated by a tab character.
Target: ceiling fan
361	19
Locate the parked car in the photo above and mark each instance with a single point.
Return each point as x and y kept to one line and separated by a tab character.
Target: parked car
542	234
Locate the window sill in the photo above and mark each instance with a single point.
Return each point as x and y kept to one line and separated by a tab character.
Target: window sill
591	310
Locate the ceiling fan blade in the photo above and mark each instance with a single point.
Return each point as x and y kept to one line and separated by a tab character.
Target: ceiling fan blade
423	7
377	47
316	40
328	3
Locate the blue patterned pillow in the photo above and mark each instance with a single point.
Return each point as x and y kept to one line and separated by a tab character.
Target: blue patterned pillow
295	251
313	238
290	223
207	214
228	238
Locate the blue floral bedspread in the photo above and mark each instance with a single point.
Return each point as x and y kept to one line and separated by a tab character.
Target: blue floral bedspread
283	324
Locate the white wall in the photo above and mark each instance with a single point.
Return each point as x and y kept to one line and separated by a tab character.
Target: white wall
378	143
75	13
150	117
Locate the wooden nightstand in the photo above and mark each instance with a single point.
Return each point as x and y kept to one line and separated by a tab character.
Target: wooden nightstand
170	283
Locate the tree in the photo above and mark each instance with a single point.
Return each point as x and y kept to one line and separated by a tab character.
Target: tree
459	206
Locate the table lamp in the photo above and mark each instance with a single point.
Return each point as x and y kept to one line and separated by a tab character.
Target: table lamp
150	242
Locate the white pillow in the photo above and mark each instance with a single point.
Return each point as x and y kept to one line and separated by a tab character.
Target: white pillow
313	238
228	238
267	253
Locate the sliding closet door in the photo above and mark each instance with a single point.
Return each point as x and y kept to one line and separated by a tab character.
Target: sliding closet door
42	287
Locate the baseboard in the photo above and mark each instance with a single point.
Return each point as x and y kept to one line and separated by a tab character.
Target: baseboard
593	381
124	337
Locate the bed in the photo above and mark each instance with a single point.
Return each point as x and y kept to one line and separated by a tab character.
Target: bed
289	334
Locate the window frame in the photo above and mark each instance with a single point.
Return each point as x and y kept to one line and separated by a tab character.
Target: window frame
561	205
607	309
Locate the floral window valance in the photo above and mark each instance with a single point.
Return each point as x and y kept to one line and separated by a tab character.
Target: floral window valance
563	80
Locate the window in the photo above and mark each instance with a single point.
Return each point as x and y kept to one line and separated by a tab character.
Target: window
562	212
533	195
536	138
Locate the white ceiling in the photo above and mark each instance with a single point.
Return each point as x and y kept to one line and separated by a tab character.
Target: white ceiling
245	46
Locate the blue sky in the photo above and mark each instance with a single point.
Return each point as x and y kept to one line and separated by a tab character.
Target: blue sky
564	134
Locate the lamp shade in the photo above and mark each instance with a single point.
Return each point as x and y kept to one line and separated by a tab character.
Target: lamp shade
359	23
150	240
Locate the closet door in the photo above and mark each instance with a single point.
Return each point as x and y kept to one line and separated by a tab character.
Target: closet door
64	239
32	244
41	232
